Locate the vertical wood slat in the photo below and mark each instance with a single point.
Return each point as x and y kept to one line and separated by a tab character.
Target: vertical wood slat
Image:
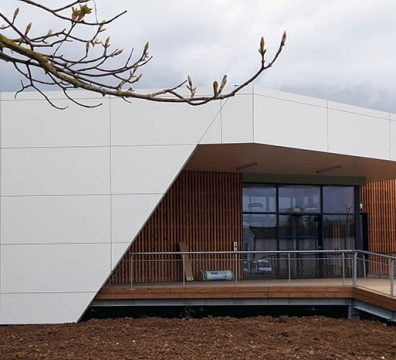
379	202
202	209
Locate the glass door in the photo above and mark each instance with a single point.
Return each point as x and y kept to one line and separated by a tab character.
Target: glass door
259	234
299	232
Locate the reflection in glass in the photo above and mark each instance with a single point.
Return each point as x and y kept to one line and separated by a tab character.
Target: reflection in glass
338	199
299	199
259	234
338	232
259	199
298	232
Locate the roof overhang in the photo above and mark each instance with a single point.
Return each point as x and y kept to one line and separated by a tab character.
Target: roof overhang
276	161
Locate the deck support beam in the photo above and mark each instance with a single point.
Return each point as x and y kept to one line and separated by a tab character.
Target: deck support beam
353	312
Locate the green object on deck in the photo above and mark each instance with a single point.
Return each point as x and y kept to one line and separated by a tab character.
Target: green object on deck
225	275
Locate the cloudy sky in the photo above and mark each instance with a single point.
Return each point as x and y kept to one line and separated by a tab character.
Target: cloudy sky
343	50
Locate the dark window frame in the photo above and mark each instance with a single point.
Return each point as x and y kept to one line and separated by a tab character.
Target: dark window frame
321	214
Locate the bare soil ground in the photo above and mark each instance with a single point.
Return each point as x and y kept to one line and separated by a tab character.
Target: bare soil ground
206	338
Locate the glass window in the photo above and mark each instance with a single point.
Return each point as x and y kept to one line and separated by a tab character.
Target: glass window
338	199
298	199
259	232
297	232
259	199
338	232
301	217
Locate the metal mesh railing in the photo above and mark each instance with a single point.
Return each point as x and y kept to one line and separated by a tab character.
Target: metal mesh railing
375	271
348	267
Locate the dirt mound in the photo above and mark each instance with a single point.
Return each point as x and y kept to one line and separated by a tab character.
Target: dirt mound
207	338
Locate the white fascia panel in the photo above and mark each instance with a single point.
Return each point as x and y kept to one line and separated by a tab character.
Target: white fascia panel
34	123
146	169
55	171
82	95
54	268
286	96
290	124
55	219
150	123
237	119
39	308
358	135
392	117
358	110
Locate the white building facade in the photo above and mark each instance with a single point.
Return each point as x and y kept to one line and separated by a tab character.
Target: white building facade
78	185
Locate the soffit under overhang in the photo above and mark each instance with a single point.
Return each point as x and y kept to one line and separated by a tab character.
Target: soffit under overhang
276	160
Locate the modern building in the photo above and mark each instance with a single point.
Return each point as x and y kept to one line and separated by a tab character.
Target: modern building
83	191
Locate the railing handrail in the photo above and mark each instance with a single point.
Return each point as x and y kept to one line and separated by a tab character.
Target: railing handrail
376	254
271	252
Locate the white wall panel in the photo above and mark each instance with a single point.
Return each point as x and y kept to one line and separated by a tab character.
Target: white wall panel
290	124
145	123
55	171
358	135
213	133
55	219
146	169
392	116
54	268
42	308
117	252
393	140
129	213
237	119
36	123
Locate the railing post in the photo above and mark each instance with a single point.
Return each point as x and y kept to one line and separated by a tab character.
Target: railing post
184	269
391	276
343	268
288	266
354	269
131	269
236	262
236	266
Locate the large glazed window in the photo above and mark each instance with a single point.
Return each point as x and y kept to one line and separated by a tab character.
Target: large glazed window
259	199
338	217
338	199
338	232
298	232
259	232
298	217
299	199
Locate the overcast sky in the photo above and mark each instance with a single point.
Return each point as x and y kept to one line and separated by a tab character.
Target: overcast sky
343	50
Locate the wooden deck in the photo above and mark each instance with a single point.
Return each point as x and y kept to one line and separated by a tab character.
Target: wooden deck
371	291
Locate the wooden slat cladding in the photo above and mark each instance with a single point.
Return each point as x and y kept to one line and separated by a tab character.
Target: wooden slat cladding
379	202
201	209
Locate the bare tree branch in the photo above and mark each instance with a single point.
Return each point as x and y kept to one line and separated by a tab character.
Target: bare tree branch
89	68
